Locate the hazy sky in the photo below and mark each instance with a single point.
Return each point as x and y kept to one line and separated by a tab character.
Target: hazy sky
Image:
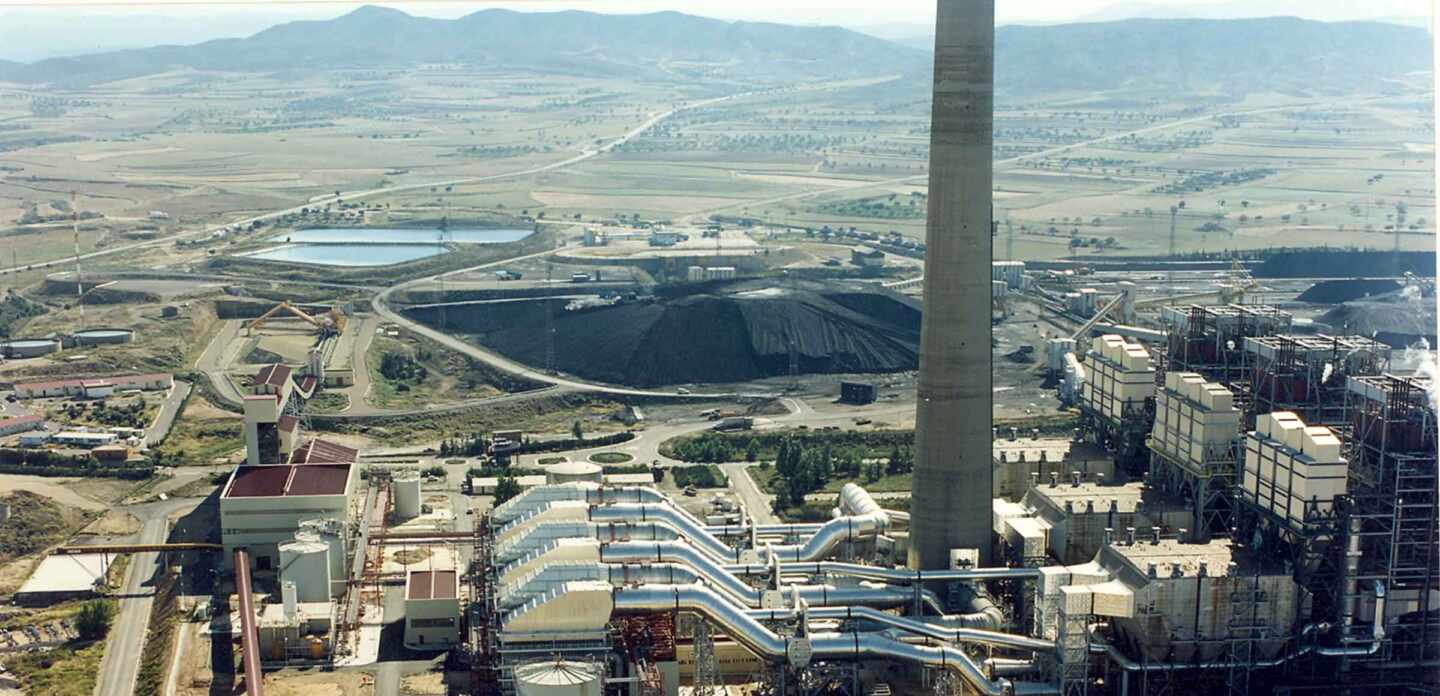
31	29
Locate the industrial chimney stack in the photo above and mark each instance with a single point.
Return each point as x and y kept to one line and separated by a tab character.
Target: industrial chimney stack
951	488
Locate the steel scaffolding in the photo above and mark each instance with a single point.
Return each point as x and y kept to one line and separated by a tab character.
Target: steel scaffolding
1306	374
1392	454
1209	339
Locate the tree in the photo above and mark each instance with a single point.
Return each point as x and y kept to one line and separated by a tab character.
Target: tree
752	450
93	621
577	430
506	488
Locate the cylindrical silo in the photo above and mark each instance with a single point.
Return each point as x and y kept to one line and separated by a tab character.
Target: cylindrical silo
289	599
332	533
558	678
407	495
306	562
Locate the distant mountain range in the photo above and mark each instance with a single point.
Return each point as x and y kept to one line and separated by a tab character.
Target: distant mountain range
1208	55
645	45
1169	55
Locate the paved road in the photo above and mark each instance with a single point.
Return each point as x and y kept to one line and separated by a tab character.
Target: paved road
212	361
127	636
756	502
359	346
169	409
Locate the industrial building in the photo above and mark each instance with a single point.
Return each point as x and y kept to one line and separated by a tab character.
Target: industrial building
262	506
865	257
432	609
64	577
1019	462
93	387
21	424
857	393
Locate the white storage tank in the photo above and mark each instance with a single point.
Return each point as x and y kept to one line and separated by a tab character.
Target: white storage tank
407	495
573	472
558	678
306	562
332	534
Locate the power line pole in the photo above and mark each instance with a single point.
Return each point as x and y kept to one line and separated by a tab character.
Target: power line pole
439	252
1009	240
79	279
549	320
1170	269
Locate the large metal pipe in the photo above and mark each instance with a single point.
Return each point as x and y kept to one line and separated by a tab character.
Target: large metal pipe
754	636
540	534
951	486
864	518
915	626
901	575
671	515
539	496
735	588
249	636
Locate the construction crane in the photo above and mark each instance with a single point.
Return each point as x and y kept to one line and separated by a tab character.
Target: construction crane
327	324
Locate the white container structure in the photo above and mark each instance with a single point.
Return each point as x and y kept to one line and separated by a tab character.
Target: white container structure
331	532
306	562
1290	467
432	609
1120	377
1196	424
558	678
574	472
407	495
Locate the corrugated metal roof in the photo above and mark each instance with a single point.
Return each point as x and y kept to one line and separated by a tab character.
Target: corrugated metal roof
317	451
258	482
432	584
274	375
321	479
280	480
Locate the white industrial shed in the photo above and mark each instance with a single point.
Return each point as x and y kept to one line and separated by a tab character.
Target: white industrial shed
64	576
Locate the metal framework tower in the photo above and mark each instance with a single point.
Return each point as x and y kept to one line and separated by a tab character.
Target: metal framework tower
1246	628
707	669
1393	480
951	483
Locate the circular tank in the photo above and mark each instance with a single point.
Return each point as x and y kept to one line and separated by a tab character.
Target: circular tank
29	347
306	562
407	495
571	472
558	678
95	337
332	534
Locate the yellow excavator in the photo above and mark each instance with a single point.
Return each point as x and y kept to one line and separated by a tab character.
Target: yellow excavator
327	324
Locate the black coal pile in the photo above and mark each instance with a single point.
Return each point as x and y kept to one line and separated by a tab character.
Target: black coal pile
726	333
1399	319
1337	291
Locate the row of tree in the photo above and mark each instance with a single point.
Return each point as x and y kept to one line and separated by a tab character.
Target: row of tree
803	468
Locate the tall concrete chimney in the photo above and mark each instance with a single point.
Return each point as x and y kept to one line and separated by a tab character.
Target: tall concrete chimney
951	488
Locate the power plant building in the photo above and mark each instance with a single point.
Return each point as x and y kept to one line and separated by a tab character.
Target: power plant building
263	506
432	609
